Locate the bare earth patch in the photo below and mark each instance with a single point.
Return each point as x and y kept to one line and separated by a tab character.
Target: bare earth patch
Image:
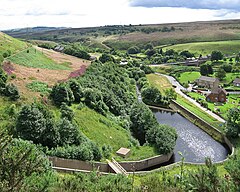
25	75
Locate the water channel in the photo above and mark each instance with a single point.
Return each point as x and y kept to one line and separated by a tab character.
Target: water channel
192	142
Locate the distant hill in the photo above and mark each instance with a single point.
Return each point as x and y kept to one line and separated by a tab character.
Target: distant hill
125	36
24	32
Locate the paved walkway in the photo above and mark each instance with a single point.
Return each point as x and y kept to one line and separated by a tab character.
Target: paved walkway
179	88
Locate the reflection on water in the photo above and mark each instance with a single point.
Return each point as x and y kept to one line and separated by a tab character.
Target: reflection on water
193	142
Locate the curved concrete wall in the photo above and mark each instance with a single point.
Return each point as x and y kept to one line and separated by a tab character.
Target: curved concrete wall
212	131
129	166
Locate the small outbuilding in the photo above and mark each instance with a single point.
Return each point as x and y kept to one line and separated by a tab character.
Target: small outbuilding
123	152
236	82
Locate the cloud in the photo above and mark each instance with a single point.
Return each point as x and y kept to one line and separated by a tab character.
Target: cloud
193	4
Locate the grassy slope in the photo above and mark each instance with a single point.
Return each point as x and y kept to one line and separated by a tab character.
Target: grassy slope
9	43
36	59
159	81
104	131
189	77
204	48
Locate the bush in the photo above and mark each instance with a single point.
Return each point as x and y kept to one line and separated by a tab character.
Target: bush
106	150
133	50
163	137
12	92
61	93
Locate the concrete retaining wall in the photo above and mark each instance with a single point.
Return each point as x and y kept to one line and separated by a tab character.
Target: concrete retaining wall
212	131
129	166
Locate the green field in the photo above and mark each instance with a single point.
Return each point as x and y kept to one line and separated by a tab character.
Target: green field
204	48
11	44
102	131
36	59
188	77
160	82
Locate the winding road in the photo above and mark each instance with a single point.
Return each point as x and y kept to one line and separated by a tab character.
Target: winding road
179	88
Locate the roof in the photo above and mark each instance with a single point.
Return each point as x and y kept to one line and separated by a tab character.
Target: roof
123	151
218	90
237	80
209	79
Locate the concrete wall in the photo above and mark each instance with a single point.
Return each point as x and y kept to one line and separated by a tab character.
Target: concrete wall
79	165
129	166
212	131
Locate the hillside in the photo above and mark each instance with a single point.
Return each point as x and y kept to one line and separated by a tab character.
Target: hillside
31	67
122	37
11	44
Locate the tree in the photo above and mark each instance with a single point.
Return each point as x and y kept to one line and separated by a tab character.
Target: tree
150	52
186	54
66	112
36	123
163	137
69	133
142	119
233	123
61	93
227	68
148	46
76	90
221	74
19	161
206	69
12	92
106	58
216	55
31	123
133	50
237	59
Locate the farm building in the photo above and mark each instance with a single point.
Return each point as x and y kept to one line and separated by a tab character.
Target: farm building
217	95
236	82
207	82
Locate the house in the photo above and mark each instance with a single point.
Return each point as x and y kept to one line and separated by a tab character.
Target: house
192	62
217	95
236	82
207	82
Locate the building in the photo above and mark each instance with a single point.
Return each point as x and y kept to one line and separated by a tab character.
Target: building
236	82
217	95
207	82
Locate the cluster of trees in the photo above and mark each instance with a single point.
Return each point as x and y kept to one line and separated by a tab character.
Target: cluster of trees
37	124
110	89
8	89
146	129
158	56
233	123
23	167
77	51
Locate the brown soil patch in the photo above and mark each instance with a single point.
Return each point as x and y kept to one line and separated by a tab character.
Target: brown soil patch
25	75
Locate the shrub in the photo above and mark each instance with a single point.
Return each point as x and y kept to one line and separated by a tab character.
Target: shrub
163	137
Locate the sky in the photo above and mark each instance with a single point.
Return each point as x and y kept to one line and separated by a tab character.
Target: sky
88	13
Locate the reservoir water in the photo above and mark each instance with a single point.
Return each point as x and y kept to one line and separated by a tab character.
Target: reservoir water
192	142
